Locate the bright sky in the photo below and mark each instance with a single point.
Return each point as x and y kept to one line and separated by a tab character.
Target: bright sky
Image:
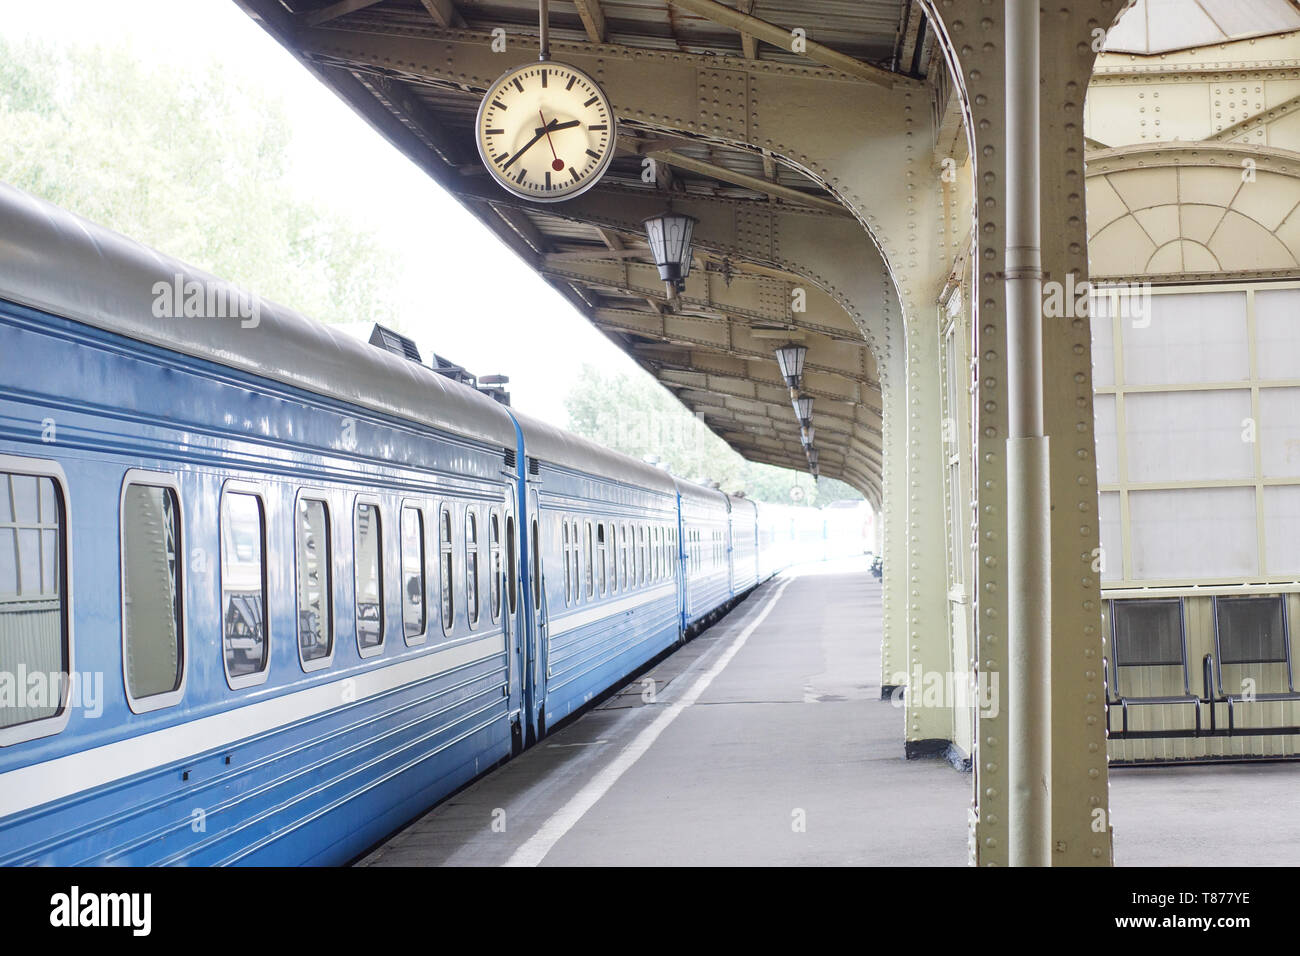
506	320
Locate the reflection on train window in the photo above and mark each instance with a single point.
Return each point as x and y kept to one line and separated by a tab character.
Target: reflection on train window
511	570
1147	632
494	550
641	554
601	558
622	557
577	568
33	619
589	565
243	585
471	566
568	577
413	586
536	568
1252	630
368	548
315	581
445	554
151	590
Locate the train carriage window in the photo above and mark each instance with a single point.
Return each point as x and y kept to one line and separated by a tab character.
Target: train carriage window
1252	629
512	571
645	555
33	598
243	588
153	650
368	577
445	569
622	556
601	559
577	567
313	573
568	574
414	602
494	565
536	569
589	566
471	566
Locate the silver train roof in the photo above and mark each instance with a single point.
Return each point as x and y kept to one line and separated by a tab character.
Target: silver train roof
57	262
568	450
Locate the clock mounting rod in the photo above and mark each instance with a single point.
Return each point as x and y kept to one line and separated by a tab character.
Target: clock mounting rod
543	30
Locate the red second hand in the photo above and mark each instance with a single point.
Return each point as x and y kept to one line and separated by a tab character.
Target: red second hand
556	163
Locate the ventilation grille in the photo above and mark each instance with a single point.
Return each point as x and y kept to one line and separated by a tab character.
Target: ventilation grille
510	458
394	342
533	468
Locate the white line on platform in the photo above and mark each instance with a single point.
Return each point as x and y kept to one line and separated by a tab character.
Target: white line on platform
534	850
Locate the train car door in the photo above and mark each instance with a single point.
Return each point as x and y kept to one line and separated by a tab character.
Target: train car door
507	574
535	623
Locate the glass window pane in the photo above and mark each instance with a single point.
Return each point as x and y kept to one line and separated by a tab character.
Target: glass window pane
589	565
1105	431
1193	533
512	571
369	550
413	603
445	554
243	584
494	589
1282	529
568	584
1189	436
1112	549
1277	333
32	608
1189	337
471	566
315	581
1103	342
1279	430
151	590
1252	630
600	550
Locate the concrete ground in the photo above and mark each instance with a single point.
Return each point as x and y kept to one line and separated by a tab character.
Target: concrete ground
788	756
764	742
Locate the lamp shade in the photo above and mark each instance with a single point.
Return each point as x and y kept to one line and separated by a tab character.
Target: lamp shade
670	243
806	435
812	457
790	358
803	410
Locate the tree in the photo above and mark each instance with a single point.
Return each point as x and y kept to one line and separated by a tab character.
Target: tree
194	166
637	416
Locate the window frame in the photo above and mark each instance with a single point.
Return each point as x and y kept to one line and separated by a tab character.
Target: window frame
378	649
49	726
496	565
472	511
446	569
420	507
239	486
171	482
316	494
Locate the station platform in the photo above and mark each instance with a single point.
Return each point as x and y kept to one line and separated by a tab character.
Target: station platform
764	741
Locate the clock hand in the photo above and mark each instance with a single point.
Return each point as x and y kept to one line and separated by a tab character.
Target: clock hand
557	125
556	163
527	146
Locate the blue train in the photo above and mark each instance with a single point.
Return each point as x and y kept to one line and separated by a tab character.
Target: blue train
267	592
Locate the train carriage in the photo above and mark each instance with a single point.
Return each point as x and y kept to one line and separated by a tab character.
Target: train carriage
705	523
743	535
607	534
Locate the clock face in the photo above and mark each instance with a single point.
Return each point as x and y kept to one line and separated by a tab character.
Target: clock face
546	131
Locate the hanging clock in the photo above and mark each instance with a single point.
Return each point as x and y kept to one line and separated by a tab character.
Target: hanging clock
546	131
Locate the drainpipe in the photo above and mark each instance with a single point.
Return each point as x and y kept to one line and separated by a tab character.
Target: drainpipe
1029	707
